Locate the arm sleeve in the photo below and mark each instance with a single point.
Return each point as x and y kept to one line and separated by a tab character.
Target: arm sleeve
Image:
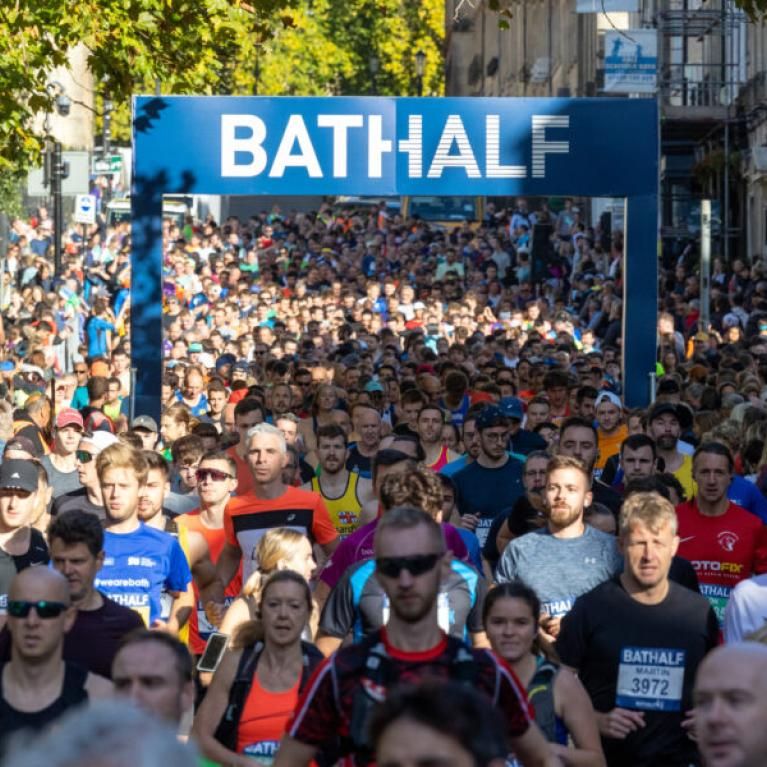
337	617
474	620
179	575
760	551
507	567
229	534
759	504
323	529
455	543
572	641
733	626
316	719
337	565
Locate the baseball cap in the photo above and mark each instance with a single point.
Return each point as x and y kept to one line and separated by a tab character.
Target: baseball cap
69	417
241	365
512	407
608	396
730	320
20	443
100	440
195	347
225	359
374	386
145	422
682	413
18	474
491	416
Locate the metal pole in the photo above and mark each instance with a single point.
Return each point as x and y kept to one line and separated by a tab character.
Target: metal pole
132	400
726	211
653	386
57	168
705	265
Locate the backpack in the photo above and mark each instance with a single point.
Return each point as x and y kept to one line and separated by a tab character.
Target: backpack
226	732
380	674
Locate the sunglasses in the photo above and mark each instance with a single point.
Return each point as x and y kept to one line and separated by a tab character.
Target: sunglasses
213	474
83	456
419	564
18	608
81	371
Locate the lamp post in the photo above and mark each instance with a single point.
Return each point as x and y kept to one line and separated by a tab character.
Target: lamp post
374	64
420	64
56	169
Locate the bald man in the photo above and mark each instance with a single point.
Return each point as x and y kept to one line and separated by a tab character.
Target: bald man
730	703
37	685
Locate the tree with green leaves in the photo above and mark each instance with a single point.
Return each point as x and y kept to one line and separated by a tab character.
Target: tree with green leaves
272	47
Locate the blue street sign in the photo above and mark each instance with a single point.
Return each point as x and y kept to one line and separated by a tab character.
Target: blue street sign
394	146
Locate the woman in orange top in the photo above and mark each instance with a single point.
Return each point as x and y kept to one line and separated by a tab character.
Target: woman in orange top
281	663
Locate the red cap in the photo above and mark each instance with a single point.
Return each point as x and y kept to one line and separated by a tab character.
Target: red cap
69	417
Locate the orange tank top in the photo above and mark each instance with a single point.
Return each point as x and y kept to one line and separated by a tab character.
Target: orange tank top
199	626
264	721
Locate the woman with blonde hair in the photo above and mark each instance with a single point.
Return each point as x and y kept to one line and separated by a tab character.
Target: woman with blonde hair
280	548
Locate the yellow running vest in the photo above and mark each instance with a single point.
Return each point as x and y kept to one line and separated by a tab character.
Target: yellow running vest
345	510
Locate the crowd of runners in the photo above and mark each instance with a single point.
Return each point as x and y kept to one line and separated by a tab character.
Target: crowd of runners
395	509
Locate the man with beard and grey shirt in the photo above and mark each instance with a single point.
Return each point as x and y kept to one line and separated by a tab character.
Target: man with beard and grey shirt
566	558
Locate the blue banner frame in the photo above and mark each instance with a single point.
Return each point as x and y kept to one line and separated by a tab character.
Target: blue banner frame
393	146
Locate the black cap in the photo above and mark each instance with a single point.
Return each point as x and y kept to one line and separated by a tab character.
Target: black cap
680	412
16	474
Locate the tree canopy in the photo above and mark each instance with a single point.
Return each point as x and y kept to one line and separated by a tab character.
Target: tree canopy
274	47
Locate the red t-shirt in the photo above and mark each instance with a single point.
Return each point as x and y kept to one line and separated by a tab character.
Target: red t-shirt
248	517
244	474
199	626
723	550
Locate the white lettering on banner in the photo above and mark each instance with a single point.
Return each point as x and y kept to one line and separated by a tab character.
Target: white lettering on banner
243	154
542	147
650	679
231	145
340	125
295	132
493	149
454	133
377	145
413	146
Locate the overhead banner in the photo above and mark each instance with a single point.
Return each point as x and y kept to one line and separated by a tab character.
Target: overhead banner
631	61
319	146
607	6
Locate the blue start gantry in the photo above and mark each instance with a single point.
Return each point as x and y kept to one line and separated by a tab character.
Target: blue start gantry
395	146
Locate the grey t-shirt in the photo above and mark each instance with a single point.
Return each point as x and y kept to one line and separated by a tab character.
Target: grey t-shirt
62	482
560	569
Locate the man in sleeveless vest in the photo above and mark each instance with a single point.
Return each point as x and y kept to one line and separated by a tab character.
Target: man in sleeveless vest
37	686
344	492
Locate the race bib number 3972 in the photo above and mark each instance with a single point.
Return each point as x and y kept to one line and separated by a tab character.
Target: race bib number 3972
650	679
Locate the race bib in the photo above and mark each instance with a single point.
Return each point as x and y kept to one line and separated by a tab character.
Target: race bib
718	597
483	529
264	751
650	679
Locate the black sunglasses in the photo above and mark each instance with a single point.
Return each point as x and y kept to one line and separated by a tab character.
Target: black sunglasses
419	564
19	608
84	456
214	474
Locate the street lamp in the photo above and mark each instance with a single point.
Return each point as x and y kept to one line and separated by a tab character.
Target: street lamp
420	64
55	167
374	64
